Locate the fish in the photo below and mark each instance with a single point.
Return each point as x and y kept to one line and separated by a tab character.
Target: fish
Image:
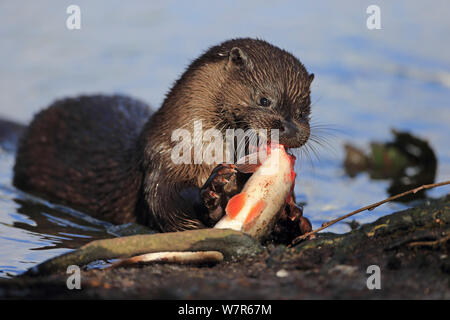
253	211
175	257
256	208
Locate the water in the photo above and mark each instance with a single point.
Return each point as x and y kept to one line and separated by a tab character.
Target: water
366	82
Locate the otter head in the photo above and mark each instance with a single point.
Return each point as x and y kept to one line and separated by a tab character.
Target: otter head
265	88
238	84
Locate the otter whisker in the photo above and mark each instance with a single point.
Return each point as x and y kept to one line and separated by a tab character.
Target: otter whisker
302	153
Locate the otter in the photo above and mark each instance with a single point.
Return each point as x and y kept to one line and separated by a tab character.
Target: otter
110	156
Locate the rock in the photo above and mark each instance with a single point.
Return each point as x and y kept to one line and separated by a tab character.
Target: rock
333	266
232	244
344	269
282	273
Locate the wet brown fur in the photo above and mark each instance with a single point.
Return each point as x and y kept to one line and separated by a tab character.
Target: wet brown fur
111	157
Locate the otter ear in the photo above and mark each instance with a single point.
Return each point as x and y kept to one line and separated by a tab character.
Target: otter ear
311	78
238	57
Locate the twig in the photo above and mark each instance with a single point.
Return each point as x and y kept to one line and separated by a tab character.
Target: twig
369	207
429	243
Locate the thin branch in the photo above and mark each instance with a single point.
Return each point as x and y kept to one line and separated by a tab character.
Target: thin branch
369	207
429	243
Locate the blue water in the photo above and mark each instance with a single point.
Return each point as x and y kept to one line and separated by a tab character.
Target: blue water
366	82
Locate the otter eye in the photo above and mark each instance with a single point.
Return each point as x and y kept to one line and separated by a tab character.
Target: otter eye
303	112
264	102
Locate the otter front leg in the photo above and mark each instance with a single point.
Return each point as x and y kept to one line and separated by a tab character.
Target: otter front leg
291	222
295	215
224	182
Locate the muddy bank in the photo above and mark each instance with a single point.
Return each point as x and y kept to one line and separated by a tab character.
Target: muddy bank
410	247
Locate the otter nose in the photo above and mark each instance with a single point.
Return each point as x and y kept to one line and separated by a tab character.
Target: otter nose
288	130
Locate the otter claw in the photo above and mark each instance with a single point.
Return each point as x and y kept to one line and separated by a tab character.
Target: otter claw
213	194
291	223
226	171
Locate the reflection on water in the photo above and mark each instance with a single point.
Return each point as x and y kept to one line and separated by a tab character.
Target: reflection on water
32	230
408	162
366	82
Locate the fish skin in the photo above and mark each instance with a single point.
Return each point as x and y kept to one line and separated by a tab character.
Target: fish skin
255	211
270	184
235	204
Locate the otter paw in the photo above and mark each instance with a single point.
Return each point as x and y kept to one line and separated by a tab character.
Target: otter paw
213	194
290	224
